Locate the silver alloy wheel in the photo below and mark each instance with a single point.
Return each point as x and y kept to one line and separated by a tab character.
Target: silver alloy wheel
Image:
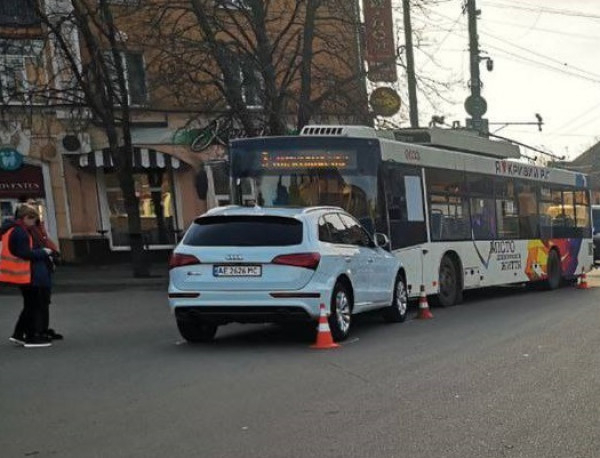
401	297
342	311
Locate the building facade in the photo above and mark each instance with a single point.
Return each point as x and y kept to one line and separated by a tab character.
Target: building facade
58	155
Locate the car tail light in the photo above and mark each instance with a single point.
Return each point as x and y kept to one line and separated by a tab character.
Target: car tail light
307	260
180	260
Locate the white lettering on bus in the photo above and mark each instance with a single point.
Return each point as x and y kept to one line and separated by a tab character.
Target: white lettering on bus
503	246
521	170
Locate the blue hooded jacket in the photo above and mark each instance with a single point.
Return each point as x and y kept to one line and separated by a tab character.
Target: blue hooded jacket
18	244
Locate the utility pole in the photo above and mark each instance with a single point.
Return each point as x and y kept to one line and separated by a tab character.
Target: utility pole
410	66
475	104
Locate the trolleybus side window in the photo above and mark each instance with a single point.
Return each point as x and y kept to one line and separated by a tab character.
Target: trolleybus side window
483	207
449	207
528	211
506	209
564	213
404	197
582	213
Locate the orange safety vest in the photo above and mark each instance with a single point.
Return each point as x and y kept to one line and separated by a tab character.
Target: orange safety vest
12	269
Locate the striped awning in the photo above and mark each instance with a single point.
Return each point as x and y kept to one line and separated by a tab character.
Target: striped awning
143	158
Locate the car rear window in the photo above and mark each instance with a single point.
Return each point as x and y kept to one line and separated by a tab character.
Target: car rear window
244	231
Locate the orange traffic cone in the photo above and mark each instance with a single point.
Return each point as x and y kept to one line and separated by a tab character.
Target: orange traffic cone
583	284
424	312
324	337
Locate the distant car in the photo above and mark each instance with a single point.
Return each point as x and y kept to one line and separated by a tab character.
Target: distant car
253	264
596	233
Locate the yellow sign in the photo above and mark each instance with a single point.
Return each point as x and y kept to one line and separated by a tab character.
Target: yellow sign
385	101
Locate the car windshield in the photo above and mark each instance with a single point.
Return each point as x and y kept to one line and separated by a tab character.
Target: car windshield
244	231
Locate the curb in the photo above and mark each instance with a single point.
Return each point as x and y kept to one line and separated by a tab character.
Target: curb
100	286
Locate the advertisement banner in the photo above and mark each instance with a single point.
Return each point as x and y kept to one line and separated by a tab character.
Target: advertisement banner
379	40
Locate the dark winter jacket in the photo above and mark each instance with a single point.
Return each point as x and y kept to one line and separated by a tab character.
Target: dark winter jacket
19	246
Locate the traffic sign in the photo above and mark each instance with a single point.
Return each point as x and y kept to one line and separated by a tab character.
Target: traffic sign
475	105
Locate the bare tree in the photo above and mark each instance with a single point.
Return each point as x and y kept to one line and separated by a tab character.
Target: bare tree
272	62
86	71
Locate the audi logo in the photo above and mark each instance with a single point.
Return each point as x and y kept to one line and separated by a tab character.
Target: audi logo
234	257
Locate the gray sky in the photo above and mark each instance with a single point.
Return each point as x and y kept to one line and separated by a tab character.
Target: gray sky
546	57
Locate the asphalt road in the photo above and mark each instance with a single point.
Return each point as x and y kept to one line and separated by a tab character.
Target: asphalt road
509	373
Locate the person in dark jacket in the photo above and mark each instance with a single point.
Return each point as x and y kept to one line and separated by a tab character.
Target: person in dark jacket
24	261
40	236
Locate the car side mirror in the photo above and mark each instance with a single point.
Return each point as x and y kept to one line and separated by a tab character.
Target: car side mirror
381	240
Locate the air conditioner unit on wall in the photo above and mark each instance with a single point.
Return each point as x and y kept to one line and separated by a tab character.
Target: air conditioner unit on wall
75	143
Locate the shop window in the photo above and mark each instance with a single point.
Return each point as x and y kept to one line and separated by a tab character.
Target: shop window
218	172
154	190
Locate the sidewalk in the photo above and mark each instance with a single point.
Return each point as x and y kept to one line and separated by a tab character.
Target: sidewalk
83	278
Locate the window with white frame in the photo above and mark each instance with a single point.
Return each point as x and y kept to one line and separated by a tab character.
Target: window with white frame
249	78
22	73
232	4
135	76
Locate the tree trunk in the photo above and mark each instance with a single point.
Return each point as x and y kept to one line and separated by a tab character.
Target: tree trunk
123	158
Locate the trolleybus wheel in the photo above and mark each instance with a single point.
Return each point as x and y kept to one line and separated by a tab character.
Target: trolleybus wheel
449	284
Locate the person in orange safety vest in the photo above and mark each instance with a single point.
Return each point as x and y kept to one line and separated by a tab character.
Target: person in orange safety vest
24	262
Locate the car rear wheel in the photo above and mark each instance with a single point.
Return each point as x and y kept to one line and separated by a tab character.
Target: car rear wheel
196	331
340	317
397	311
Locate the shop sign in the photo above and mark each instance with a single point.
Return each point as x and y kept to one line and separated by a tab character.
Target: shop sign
28	181
379	38
217	132
385	101
10	159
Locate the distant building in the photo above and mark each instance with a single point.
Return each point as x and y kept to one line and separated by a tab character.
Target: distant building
585	163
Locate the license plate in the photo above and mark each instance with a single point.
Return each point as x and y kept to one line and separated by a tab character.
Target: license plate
237	271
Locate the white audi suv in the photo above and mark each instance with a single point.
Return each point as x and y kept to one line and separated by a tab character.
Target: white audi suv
254	264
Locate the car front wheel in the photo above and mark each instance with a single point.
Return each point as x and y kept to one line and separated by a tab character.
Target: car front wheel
196	331
397	311
340	317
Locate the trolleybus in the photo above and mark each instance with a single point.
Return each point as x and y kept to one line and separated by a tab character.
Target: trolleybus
460	210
